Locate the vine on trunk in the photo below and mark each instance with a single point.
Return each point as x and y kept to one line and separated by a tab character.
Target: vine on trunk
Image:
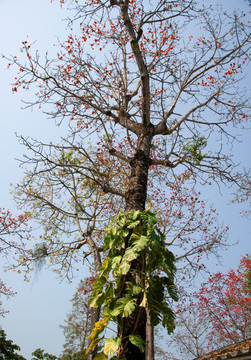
123	288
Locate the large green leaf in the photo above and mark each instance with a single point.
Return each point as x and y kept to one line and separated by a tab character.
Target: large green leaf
106	267
126	306
129	308
133	224
151	219
116	311
137	341
130	255
134	214
124	267
108	294
122	220
140	244
96	300
111	346
116	260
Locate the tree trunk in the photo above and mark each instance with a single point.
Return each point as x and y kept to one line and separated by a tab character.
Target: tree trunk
95	314
136	194
149	337
135	200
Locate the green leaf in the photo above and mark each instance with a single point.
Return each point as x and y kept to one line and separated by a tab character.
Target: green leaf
101	356
97	300
126	306
116	311
133	224
114	230
122	221
136	289
140	244
108	294
151	218
137	341
106	267
129	308
111	346
130	255
134	214
116	260
124	267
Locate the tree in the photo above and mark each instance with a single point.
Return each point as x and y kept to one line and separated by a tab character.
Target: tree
189	338
78	323
218	314
8	349
12	228
224	301
40	354
156	101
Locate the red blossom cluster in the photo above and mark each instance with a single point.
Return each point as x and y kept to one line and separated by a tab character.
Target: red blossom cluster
224	302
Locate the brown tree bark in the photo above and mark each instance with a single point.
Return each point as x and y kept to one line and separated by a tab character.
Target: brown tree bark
149	337
135	200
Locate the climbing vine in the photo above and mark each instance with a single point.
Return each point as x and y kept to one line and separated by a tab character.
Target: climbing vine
120	289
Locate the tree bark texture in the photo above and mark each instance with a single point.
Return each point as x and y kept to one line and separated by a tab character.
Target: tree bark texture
95	315
135	200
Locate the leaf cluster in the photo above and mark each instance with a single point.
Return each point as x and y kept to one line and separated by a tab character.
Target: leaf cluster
194	147
136	273
8	349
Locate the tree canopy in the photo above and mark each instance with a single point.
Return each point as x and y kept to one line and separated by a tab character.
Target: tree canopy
8	350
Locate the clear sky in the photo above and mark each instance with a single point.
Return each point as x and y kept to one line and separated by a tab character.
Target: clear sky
40	306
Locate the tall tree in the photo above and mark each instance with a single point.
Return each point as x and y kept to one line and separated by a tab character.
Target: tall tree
161	98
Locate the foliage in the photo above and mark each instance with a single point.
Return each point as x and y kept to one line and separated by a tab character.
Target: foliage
130	238
79	355
77	326
217	315
224	302
8	350
12	228
40	354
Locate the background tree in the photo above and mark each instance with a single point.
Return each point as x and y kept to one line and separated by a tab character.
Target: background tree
8	350
218	314
159	101
14	232
40	354
224	301
78	323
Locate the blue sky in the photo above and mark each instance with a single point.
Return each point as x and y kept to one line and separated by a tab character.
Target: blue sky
40	306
